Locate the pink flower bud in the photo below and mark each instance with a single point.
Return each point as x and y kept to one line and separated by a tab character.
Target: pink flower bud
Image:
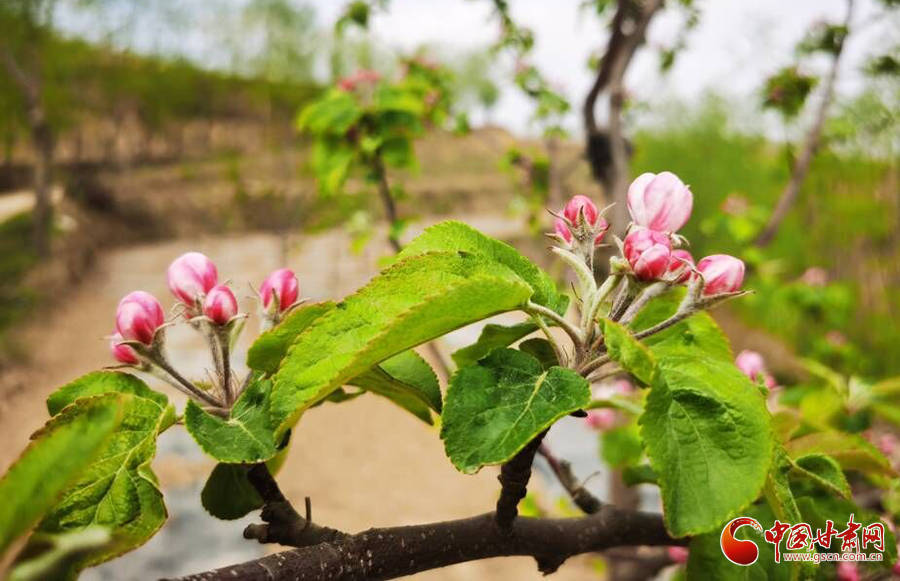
847	571
722	273
601	419
751	363
660	201
581	204
678	554
888	444
138	316
648	252
220	304
121	352
190	276
681	261
561	228
281	285
623	387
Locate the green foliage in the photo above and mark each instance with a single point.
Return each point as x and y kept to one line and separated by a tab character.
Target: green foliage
851	451
631	354
407	380
269	349
68	444
707	433
100	382
492	336
787	90
414	301
246	436
494	408
621	446
227	494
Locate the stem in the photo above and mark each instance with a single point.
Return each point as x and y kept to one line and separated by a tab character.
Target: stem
574	332
514	477
594	365
387	200
649	293
222	338
560	354
605	289
622	301
587	502
161	362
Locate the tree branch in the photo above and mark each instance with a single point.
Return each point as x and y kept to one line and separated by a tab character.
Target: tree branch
804	161
514	477
387	553
587	502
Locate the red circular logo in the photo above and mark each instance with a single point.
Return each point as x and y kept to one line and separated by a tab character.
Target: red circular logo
739	552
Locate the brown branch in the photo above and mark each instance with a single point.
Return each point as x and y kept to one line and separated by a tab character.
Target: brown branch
388	553
514	477
584	500
810	146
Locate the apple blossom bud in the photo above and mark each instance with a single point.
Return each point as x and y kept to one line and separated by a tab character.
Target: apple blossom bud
681	262
581	204
121	352
660	201
888	444
722	273
678	554
138	316
220	304
648	252
601	419
623	387
561	228
847	571
281	285
753	366
190	276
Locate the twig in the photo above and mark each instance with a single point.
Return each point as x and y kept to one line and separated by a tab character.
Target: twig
514	477
587	502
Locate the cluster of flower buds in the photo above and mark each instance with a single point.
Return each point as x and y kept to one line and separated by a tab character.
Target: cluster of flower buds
753	366
361	79
209	306
580	226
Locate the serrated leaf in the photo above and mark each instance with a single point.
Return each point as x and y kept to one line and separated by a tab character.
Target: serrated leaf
56	456
407	380
708	436
492	336
540	349
228	494
698	332
631	354
456	236
852	452
246	436
824	471
494	408
270	348
411	302
100	382
118	490
334	114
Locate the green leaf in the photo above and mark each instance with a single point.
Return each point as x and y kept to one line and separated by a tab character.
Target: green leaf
407	380
270	348
852	452
621	446
331	162
698	332
816	509
540	349
60	551
228	494
100	382
411	302
824	471
494	408
246	436
118	490
492	336
643	474
56	456
333	114
708	436
456	236
630	353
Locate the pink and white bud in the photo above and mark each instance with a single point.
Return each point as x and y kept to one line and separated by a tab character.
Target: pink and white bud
220	304
601	419
660	201
584	205
623	387
678	554
681	261
722	273
121	352
138	316
753	366
190	276
280	289
648	252
561	228
847	571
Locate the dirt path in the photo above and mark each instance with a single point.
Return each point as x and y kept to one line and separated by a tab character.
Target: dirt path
364	463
